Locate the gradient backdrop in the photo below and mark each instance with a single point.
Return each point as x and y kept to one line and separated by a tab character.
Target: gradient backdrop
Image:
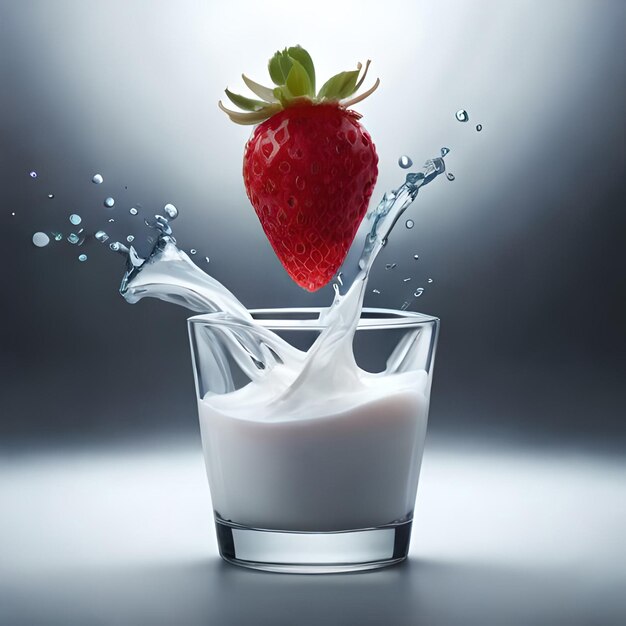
522	498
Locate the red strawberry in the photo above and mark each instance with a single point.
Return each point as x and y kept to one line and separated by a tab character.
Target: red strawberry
309	167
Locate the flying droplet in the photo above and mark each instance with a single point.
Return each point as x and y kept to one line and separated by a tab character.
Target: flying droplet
192	251
41	239
391	266
445	151
130	238
406	280
111	220
115	246
450	176
405	162
418	292
410	223
97	179
101	236
75	219
462	115
82	258
375	291
479	127
133	211
430	280
57	236
50	196
73	238
33	174
416	257
405	306
109	202
13	213
171	211
206	258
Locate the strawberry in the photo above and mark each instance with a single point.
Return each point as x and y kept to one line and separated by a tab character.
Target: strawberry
309	167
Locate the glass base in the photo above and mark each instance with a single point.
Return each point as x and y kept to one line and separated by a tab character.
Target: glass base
313	553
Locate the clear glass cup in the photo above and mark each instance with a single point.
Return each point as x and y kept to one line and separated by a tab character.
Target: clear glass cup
325	493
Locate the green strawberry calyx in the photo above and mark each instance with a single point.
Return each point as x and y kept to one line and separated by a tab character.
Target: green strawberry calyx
293	73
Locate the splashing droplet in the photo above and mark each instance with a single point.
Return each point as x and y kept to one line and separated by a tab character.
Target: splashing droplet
445	151
206	258
461	115
418	292
130	238
405	306
391	266
73	238
409	224
450	176
193	251
430	280
406	280
375	291
479	127
405	162
75	219
97	179
13	213
115	246
171	211
33	174
41	239
416	257
50	196
82	258
133	211
109	202
101	236
57	236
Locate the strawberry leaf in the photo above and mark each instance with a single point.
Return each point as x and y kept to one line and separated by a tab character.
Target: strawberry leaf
247	104
298	53
298	82
279	67
339	86
264	93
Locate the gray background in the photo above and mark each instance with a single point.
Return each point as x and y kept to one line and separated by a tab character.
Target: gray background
525	247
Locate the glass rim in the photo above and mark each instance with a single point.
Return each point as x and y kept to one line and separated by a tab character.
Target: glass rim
380	318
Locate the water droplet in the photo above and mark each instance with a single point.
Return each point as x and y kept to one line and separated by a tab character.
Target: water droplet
97	179
82	258
115	246
101	236
130	238
391	266
41	239
450	176
73	238
462	115
430	280
192	251
206	258
13	213
50	196
57	236
479	127
405	306
111	220
418	292
75	219
445	151
406	280
416	257
33	174
109	202
171	211
150	240
405	162
133	211
410	223
375	291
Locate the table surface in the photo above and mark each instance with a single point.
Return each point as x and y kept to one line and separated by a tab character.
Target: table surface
125	536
